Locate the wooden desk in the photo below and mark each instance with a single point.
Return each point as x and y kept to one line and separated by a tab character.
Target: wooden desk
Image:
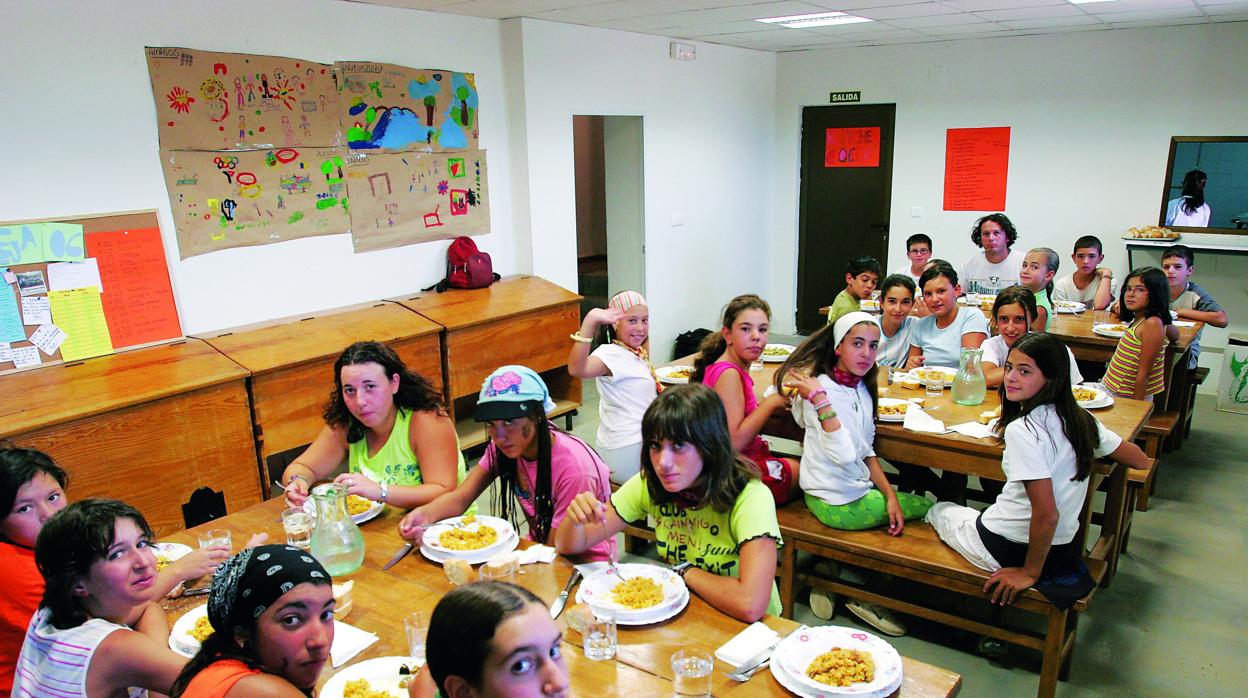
148	426
291	362
519	320
641	666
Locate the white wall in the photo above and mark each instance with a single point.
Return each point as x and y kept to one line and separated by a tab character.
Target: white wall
80	135
707	129
1091	113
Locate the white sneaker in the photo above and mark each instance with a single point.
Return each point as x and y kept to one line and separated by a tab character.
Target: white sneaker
877	617
823	603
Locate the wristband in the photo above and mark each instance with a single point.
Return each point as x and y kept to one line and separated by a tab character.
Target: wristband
825	416
297	475
576	337
820	391
385	491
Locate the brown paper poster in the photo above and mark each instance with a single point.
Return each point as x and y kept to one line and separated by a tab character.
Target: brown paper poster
223	199
403	198
224	101
392	108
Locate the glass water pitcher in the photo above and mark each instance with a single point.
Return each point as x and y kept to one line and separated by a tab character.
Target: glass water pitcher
969	386
336	540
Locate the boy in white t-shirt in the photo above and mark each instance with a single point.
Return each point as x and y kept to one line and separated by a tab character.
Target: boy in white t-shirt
998	265
1090	283
918	252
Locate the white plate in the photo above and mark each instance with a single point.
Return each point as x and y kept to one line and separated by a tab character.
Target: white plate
171	551
595	592
1105	330
477	557
186	645
869	305
888	401
1069	307
666	374
788	349
381	673
950	373
309	506
501	527
1100	398
797	651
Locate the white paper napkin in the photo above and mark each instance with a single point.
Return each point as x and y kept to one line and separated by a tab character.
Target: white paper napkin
918	420
536	553
747	645
974	430
348	642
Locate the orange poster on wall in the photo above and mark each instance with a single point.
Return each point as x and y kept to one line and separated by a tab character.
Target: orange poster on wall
858	146
137	298
976	164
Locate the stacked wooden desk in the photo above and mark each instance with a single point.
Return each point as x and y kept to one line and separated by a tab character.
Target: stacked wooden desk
149	426
641	667
519	320
291	365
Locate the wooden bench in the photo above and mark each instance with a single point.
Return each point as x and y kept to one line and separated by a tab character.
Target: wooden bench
920	556
1189	407
1139	481
1154	436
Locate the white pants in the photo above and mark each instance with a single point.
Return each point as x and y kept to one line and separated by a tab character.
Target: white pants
623	462
955	524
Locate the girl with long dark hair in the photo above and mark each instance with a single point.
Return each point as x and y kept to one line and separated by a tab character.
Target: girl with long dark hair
1138	367
1190	208
539	468
391	427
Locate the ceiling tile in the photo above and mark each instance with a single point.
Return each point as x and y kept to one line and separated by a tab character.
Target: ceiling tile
620	9
966	29
760	11
981	5
1053	22
921	9
1032	12
1226	13
714	28
649	23
1177	13
937	21
1101	8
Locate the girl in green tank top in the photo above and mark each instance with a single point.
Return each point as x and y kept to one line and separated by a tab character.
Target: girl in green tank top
379	407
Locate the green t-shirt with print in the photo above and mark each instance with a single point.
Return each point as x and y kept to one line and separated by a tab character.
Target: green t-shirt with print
842	305
709	539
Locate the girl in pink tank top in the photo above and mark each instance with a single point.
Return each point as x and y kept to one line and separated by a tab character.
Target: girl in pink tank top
723	364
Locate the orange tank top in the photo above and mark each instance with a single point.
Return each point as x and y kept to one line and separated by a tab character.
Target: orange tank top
216	679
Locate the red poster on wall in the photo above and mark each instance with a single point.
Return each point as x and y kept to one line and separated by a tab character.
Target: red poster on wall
976	164
852	147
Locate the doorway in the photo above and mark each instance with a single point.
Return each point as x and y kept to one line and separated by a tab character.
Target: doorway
846	192
610	229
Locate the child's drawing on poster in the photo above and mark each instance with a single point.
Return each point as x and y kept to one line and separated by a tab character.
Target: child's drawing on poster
404	198
390	107
227	101
223	199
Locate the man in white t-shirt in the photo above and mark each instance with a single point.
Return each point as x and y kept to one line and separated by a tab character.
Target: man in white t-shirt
998	265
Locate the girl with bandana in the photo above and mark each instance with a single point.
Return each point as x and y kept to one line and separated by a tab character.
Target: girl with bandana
272	613
492	639
538	467
96	632
714	520
626	380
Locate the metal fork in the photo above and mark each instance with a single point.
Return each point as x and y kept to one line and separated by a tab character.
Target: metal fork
611	562
745	675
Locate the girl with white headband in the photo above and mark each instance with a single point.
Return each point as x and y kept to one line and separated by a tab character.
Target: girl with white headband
626	381
834	372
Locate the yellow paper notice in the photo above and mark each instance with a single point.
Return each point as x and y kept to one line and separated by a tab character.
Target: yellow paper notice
80	313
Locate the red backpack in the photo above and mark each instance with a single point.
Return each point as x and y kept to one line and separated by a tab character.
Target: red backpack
466	266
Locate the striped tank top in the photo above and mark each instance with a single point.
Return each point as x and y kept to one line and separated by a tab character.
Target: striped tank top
1125	364
54	661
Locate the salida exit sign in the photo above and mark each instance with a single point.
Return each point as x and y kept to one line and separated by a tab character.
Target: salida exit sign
845	97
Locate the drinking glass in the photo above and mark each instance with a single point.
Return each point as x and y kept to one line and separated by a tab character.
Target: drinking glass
756	366
215	537
1101	317
598	639
692	670
934	381
500	570
298	526
416	626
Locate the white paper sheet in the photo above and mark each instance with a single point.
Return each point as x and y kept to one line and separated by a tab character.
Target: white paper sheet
48	338
36	310
26	356
66	276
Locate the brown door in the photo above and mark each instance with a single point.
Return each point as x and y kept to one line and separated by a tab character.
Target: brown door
847	182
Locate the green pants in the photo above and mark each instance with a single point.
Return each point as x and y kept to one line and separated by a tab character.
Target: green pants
869	511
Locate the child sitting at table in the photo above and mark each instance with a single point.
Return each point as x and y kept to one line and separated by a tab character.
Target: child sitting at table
1187	299
938	339
1090	283
835	374
1138	367
272	615
896	322
1027	535
626	380
713	519
1039	268
1013	315
492	639
723	363
391	427
539	468
32	490
97	631
862	274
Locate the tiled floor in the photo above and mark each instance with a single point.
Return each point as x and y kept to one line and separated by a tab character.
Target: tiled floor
1173	622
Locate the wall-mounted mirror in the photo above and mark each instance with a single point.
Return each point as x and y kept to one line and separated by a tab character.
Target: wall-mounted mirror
1206	187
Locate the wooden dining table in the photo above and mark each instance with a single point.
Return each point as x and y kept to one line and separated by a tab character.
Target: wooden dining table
381	598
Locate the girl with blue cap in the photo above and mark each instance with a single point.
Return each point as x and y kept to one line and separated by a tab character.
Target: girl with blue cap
540	468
